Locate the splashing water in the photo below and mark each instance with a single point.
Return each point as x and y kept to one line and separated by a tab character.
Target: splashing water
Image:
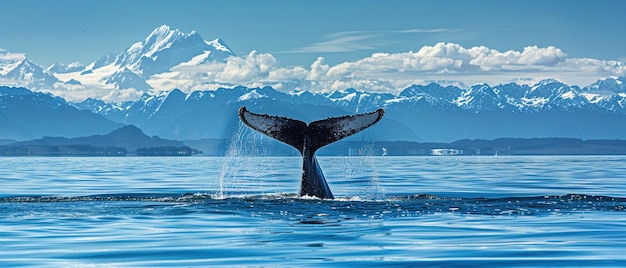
244	144
377	192
361	170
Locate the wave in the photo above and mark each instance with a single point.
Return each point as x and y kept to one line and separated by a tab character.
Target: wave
318	211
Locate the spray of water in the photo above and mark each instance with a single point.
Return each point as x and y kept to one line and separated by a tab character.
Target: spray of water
360	166
232	160
243	169
375	190
246	169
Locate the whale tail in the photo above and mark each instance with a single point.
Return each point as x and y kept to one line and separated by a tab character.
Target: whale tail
317	134
308	138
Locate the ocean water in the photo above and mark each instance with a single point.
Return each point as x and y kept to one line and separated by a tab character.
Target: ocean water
464	211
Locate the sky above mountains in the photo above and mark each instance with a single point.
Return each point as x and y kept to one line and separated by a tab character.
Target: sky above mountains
370	42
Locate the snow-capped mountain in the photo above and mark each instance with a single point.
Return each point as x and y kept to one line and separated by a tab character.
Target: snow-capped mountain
29	74
165	48
61	68
125	78
431	112
161	51
424	113
420	113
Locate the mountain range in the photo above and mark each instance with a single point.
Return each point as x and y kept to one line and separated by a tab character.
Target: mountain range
132	68
419	113
433	112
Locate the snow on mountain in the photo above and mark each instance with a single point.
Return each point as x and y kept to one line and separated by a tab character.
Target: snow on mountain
430	112
125	78
60	68
9	60
141	71
357	101
426	113
552	94
169	59
165	48
101	62
133	69
608	85
251	95
30	74
610	94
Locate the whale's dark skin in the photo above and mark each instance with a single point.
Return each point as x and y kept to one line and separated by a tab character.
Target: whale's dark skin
308	138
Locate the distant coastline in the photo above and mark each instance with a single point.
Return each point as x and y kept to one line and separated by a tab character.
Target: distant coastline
503	146
125	141
88	150
131	141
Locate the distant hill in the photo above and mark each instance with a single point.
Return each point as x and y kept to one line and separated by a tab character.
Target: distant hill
122	141
28	115
7	141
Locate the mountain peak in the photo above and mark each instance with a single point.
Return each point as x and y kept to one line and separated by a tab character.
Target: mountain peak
26	62
59	68
165	48
161	30
129	132
548	81
126	78
162	50
161	38
26	70
219	44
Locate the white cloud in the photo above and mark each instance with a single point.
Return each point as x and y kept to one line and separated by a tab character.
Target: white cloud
11	56
341	42
392	72
77	93
421	30
446	63
8	61
318	69
349	41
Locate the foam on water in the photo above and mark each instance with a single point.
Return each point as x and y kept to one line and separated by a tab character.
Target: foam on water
353	207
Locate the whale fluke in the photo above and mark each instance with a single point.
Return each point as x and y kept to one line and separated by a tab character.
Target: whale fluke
308	138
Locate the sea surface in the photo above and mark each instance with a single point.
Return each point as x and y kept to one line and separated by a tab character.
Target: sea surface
525	211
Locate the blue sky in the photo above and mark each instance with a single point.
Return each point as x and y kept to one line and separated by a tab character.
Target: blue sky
322	45
297	32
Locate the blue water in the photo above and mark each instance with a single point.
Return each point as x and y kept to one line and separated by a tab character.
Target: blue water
242	211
